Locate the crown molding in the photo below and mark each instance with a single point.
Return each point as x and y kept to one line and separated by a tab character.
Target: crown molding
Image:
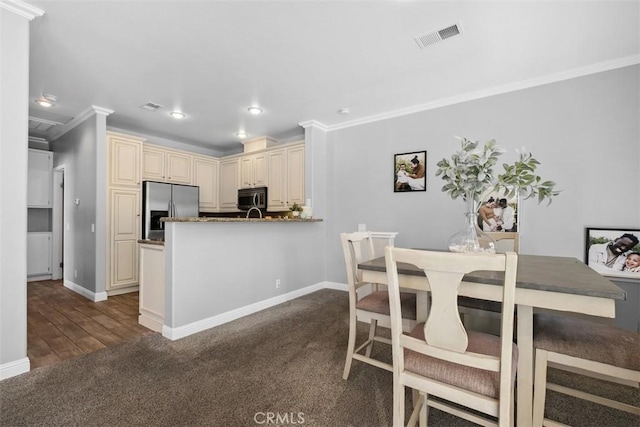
314	124
21	8
599	67
89	112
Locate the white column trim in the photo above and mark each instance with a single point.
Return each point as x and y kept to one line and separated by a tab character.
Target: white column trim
89	112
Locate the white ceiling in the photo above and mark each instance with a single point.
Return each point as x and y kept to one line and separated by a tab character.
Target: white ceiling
305	60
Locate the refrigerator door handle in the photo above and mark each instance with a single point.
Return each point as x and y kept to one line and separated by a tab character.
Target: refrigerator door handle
175	209
170	209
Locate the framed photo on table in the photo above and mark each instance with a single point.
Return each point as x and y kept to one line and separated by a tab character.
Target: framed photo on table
410	172
613	252
499	211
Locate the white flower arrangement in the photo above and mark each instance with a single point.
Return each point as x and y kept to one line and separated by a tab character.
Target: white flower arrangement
470	172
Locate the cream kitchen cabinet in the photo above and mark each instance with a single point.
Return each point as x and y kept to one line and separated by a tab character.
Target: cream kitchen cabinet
286	178
160	164
205	176
123	212
124	160
40	179
295	175
229	184
254	171
125	223
151	286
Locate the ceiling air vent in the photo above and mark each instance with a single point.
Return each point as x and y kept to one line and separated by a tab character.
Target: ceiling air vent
432	37
151	106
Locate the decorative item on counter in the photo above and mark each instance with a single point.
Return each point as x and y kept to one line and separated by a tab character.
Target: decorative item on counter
306	212
469	174
295	210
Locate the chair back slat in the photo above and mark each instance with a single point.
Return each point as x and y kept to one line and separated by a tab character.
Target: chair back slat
444	328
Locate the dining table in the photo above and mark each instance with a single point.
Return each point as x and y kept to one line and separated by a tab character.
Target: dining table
556	283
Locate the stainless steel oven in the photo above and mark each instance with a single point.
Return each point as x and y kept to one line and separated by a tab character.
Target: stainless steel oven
252	197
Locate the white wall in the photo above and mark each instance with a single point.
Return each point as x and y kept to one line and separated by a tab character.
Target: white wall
14	112
584	131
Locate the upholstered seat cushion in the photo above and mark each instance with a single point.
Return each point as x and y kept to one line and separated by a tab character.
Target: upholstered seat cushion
477	380
587	340
378	302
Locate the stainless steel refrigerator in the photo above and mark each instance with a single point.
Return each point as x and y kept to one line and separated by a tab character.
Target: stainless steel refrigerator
160	199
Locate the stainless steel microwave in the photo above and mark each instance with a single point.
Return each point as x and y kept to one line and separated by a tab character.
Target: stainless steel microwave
252	197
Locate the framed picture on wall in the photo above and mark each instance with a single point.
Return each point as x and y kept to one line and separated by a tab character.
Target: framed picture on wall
613	252
410	172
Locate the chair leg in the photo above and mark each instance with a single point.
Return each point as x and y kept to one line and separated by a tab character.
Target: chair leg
398	404
372	333
540	387
424	411
350	346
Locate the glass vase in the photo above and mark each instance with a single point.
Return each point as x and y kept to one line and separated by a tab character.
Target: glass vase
471	238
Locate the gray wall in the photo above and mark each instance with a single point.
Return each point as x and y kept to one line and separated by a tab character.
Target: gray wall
77	151
584	131
213	268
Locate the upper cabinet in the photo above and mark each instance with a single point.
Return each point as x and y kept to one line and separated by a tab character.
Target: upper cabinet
286	178
205	176
160	164
229	180
40	178
124	160
254	171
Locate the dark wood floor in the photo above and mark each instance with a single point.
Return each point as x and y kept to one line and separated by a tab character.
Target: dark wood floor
62	324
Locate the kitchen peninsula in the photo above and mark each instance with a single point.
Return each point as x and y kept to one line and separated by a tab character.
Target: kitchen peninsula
213	270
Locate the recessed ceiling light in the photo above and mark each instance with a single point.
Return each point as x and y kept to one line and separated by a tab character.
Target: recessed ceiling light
177	115
46	100
241	134
344	111
254	110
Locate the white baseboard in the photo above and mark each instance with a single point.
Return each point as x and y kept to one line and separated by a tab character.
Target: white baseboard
17	367
95	297
204	324
39	278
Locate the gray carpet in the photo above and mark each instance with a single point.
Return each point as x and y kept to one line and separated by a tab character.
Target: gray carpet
286	360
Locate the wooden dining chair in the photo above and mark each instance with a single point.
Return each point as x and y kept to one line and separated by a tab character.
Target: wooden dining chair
506	241
485	315
440	357
368	302
584	347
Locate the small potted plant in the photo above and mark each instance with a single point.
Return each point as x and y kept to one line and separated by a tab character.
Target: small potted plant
295	210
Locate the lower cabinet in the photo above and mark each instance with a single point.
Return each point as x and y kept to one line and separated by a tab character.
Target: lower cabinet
39	255
151	286
124	232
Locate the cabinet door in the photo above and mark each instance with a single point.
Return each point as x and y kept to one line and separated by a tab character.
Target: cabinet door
277	193
205	176
178	168
260	170
229	177
125	232
124	161
295	176
38	254
153	164
39	179
246	172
